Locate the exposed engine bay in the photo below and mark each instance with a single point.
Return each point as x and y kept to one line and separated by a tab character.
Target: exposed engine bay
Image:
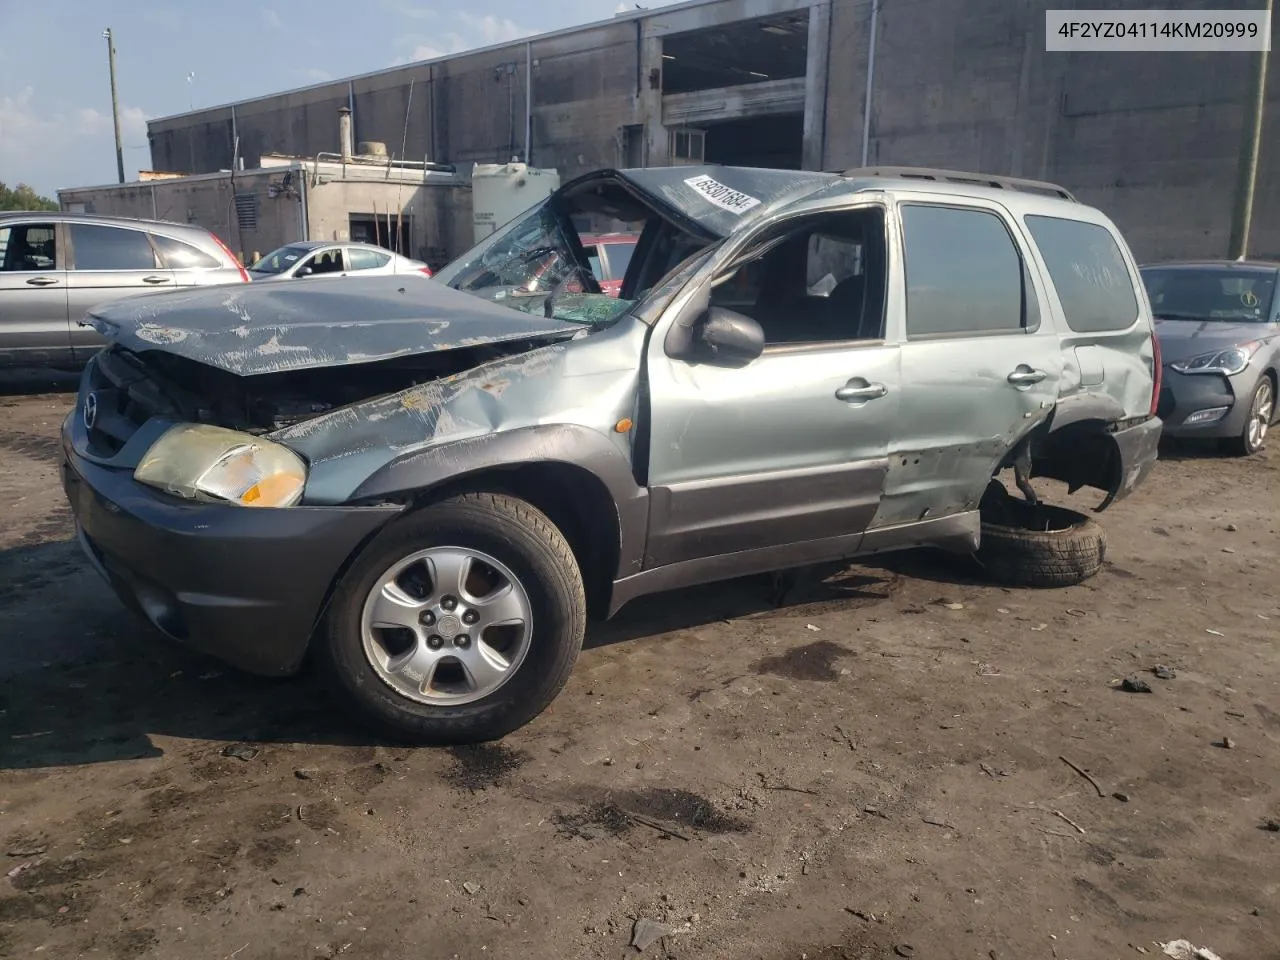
138	386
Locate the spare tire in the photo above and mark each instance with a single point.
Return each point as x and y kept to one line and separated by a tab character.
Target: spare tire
1038	545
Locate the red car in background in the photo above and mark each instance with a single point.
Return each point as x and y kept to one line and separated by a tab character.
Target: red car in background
609	254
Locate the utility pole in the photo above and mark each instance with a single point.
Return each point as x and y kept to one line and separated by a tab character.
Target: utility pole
871	79
115	103
1250	142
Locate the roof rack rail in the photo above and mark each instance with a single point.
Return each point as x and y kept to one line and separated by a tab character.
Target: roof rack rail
957	176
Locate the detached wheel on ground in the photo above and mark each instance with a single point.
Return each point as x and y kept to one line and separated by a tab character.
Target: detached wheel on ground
1037	545
1262	409
458	623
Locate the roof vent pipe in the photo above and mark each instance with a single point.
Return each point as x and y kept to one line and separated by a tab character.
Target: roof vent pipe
345	143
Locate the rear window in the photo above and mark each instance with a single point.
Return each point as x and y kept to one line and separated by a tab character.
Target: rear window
182	256
1089	272
362	259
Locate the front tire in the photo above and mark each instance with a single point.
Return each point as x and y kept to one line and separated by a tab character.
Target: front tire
458	623
1262	408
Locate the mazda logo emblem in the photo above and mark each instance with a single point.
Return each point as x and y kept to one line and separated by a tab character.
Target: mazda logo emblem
90	413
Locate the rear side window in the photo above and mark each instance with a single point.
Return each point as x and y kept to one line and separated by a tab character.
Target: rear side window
362	259
182	256
964	274
1089	272
110	248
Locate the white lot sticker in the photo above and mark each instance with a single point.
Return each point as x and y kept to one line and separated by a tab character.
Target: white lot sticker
726	198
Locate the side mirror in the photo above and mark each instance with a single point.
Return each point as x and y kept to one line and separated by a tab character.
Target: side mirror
304	272
726	338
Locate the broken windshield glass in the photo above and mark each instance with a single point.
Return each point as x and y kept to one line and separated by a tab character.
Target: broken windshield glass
531	257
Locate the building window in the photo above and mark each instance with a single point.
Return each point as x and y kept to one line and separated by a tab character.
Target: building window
688	145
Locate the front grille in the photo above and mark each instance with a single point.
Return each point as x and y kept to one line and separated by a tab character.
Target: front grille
123	397
1165	406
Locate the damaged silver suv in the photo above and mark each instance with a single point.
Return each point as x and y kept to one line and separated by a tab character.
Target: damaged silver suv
427	485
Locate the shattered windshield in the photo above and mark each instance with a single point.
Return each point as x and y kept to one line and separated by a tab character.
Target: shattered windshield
533	265
1212	293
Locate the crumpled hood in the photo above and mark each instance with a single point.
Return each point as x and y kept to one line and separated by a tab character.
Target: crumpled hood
257	328
1183	339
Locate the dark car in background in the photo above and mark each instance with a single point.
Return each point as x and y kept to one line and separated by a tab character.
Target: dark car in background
1218	323
55	266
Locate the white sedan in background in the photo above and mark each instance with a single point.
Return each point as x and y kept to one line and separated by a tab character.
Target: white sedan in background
316	258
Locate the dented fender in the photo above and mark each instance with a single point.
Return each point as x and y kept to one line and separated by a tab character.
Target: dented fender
570	445
556	402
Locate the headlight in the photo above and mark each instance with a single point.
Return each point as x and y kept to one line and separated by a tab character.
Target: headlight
1228	362
202	462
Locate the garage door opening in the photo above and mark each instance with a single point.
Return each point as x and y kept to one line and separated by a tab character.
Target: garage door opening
392	232
776	142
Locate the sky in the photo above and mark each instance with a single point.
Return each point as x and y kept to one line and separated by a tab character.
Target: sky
55	93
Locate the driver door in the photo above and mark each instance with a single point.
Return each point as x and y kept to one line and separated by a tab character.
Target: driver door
787	456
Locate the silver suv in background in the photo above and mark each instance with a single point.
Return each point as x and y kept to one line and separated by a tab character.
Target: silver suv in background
55	266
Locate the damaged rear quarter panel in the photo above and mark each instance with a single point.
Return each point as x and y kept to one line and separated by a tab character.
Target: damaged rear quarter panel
395	444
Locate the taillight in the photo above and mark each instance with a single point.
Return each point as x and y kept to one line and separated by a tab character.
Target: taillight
244	276
1157	379
426	270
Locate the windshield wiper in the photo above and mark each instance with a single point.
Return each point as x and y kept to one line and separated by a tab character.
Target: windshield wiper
1202	318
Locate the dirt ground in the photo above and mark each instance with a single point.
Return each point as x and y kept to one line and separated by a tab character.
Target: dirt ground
878	770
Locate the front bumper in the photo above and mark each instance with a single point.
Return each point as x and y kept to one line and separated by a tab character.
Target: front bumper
245	585
1184	394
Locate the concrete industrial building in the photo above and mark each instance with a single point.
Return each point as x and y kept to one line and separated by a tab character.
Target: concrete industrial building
1151	138
417	211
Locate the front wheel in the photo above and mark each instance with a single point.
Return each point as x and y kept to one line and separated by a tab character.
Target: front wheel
1262	408
458	623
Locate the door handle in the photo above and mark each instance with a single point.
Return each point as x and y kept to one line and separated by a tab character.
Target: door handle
42	281
155	279
858	389
1025	376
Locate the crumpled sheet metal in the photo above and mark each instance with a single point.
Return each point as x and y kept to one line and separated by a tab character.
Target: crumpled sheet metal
590	381
769	188
275	327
